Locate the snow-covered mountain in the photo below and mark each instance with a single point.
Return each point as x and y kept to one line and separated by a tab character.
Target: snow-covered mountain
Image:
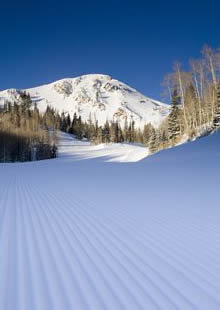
95	96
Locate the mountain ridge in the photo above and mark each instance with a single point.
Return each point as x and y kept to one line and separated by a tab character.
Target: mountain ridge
95	97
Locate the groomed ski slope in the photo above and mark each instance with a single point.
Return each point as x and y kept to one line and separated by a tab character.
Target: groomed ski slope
80	233
115	152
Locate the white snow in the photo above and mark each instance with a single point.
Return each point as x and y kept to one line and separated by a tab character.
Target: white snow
118	152
90	234
95	96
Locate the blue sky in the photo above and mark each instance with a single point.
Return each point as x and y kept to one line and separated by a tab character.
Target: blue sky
134	41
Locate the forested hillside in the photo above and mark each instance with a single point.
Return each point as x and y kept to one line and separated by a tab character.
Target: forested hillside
25	134
195	99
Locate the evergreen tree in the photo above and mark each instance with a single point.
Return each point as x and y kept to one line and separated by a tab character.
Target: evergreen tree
131	132
106	132
173	119
154	142
164	139
216	121
68	123
120	134
126	134
147	132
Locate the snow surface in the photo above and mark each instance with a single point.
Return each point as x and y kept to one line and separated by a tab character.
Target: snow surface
96	97
118	152
91	234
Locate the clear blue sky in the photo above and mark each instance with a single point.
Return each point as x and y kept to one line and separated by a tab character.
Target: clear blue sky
134	41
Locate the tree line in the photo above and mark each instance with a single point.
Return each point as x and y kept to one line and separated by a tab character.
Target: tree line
26	134
110	132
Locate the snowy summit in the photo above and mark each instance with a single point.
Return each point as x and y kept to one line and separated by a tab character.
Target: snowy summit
95	97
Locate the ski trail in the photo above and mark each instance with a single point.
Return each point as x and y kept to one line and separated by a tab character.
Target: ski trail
132	265
129	224
129	301
209	300
136	260
67	243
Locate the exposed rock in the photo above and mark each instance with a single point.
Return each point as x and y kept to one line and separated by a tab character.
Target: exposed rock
64	87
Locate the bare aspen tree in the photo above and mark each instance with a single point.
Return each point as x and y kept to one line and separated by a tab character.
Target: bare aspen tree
167	83
182	80
194	66
217	59
195	70
213	103
201	77
209	56
179	78
210	60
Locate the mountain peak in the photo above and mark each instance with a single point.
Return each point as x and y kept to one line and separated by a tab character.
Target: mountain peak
98	97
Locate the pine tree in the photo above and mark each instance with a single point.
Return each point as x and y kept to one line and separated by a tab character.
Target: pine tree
68	123
131	132
147	133
120	134
173	119
154	142
106	132
163	139
63	122
113	132
125	131
216	121
100	137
